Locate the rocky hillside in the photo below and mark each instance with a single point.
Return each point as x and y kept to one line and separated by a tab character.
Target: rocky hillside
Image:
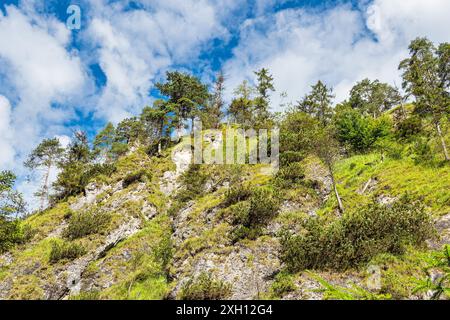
160	228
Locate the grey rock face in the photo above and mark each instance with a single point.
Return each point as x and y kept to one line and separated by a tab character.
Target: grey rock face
74	271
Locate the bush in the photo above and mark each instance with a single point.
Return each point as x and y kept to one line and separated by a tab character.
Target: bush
290	175
235	194
64	250
360	132
422	152
10	234
86	295
288	157
13	232
75	176
193	181
163	253
140	175
409	127
204	287
251	215
356	237
284	283
84	223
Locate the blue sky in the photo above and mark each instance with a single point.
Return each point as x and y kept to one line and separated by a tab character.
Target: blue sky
54	80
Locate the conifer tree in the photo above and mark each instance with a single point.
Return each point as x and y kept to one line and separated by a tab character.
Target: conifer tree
104	142
262	101
46	155
426	77
318	103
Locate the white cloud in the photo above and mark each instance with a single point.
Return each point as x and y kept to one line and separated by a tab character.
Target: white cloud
302	46
41	72
36	72
135	46
7	151
38	68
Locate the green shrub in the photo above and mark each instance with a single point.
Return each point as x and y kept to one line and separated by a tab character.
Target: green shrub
235	194
204	287
251	215
438	286
86	295
421	150
290	175
358	131
409	127
356	237
193	182
75	176
10	234
163	253
66	251
13	232
138	176
84	223
284	283
288	157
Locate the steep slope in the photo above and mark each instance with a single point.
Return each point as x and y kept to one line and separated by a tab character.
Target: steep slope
155	234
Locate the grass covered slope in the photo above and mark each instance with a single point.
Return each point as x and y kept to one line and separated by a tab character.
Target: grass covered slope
158	229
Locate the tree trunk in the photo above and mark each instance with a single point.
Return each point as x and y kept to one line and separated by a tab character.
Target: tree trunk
336	193
44	195
444	147
402	105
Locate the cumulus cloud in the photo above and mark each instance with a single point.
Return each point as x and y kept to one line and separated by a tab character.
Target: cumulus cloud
137	45
340	46
44	82
7	151
40	77
41	73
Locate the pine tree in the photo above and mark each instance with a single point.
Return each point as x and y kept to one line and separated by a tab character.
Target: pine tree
426	77
11	201
129	132
213	112
46	155
242	106
12	207
158	121
186	93
264	87
104	141
78	150
318	103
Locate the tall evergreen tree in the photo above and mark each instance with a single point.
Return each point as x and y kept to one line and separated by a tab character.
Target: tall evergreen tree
213	111
104	142
242	106
12	206
186	93
129	132
78	150
11	201
318	103
426	77
46	155
158	121
262	101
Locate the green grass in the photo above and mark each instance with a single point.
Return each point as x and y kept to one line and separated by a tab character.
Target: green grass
142	276
394	178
